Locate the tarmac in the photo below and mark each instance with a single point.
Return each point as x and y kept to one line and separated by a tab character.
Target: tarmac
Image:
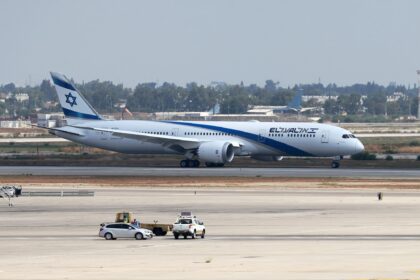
211	172
252	233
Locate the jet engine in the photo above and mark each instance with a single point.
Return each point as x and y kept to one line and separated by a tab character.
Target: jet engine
267	158
216	152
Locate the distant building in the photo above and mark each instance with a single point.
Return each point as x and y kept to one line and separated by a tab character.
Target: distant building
395	97
4	95
51	120
319	98
15	124
260	110
22	97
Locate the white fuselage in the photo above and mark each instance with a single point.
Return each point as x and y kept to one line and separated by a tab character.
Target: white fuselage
255	138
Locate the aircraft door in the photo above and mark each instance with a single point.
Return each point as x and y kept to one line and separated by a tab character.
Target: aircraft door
324	136
174	131
261	135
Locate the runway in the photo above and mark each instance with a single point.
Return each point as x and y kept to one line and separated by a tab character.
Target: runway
210	172
286	237
251	232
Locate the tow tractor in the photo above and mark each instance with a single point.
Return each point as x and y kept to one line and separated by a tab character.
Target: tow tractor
157	228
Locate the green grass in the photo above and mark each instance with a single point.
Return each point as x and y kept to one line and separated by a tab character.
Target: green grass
32	147
399	141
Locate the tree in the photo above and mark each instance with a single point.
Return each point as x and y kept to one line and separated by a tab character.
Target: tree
9	87
375	103
48	91
331	107
350	103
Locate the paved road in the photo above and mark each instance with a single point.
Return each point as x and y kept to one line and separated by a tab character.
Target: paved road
212	172
285	237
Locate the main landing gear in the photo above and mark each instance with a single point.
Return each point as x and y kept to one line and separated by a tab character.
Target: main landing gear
336	162
211	164
195	163
189	163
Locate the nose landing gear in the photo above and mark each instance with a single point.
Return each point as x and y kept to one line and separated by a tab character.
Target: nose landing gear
336	162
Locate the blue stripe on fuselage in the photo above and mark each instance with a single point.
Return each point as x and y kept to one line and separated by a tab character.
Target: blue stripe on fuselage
74	114
290	150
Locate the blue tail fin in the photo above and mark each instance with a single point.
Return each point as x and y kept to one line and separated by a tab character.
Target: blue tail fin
74	105
296	101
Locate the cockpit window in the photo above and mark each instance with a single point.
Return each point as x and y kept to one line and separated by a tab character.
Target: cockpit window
346	136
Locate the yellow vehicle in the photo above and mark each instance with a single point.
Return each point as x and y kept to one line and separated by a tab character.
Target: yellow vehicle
158	229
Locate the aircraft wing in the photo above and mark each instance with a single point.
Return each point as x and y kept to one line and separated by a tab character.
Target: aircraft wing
173	142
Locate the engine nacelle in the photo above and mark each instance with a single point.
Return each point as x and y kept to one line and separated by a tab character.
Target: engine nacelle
216	152
267	158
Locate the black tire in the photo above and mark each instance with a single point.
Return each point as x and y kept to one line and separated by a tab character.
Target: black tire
210	164
335	164
176	235
185	236
183	163
194	235
203	233
139	236
158	231
196	163
108	236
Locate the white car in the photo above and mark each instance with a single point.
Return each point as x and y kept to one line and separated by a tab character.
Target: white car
188	225
123	230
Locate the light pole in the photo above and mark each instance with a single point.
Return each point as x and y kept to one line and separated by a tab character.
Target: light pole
418	95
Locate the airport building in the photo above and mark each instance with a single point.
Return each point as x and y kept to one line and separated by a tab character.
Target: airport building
51	120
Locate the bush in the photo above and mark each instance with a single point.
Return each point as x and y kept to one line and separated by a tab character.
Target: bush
414	143
389	157
364	156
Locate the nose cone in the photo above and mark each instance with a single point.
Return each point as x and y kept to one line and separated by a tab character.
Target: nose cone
358	147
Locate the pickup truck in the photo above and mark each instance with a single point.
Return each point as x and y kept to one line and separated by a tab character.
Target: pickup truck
188	225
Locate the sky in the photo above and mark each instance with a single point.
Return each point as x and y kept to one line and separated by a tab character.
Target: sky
130	42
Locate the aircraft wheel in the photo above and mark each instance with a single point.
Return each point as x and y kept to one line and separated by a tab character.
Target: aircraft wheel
183	163
196	163
335	164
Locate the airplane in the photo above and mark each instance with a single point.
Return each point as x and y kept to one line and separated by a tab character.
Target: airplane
295	105
213	142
